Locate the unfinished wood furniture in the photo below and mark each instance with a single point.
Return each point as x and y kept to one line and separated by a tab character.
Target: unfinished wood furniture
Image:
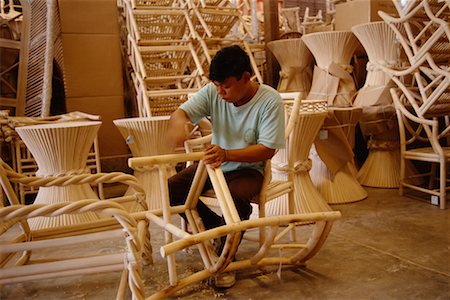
333	171
296	65
423	105
32	254
332	78
14	50
177	239
146	137
61	149
164	60
290	18
378	122
213	23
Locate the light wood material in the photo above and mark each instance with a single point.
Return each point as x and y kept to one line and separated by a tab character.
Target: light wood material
423	109
61	149
15	55
331	79
145	137
303	123
378	122
19	241
333	171
265	254
296	65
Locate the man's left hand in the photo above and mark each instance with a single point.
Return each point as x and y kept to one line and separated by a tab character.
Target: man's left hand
214	156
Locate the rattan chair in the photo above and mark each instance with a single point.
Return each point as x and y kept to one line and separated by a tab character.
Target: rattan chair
177	239
27	254
423	105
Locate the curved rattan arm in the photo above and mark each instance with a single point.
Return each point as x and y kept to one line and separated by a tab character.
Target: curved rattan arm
93	179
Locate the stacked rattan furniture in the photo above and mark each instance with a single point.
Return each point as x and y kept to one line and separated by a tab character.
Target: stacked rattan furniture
170	45
423	103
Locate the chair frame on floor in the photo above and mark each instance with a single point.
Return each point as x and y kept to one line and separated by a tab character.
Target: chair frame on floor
19	241
222	262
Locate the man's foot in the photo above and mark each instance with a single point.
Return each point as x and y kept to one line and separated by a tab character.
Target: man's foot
225	280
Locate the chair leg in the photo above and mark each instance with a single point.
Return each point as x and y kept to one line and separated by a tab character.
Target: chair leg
442	184
402	176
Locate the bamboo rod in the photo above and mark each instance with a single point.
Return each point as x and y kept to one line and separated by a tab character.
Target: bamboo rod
16	247
52	267
247	224
137	162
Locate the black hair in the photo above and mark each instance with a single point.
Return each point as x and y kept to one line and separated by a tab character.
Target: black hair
229	61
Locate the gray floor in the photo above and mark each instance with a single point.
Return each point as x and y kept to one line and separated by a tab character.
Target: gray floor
384	247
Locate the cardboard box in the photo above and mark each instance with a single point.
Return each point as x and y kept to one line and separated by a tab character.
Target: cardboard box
356	12
89	16
111	142
92	65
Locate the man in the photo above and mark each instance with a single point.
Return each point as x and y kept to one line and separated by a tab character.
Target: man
247	128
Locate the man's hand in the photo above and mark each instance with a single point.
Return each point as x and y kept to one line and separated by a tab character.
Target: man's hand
214	156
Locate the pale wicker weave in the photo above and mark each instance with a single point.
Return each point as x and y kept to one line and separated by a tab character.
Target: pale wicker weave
45	46
333	52
296	65
378	122
146	136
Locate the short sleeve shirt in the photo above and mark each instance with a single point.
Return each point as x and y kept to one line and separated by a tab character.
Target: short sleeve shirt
259	121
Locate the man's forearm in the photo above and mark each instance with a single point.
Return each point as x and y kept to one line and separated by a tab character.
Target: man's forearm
252	153
176	133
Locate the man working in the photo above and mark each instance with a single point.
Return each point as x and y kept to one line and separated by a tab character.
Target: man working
247	128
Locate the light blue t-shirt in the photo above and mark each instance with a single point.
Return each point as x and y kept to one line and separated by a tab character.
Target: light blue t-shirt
259	121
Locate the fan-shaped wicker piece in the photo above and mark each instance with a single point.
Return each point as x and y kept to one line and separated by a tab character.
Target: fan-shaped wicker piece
333	170
61	149
296	65
145	137
381	166
292	162
333	51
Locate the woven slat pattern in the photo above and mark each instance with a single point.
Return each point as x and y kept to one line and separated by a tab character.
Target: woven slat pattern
160	26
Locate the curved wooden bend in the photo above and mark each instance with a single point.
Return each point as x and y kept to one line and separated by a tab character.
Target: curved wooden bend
294	254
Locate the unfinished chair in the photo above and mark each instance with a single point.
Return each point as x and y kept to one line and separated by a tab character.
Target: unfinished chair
296	65
423	105
177	239
32	254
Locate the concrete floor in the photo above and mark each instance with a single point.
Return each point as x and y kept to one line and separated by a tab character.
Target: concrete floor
384	247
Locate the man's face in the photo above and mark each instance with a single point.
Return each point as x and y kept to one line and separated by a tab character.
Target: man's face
232	89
